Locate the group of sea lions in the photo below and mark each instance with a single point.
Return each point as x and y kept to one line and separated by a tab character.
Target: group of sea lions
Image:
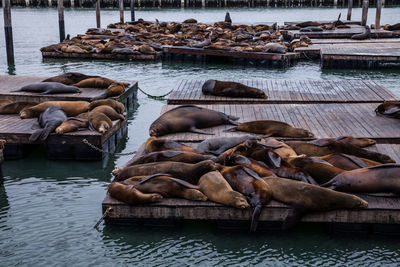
248	171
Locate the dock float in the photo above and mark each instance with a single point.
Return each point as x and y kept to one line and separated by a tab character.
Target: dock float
155	57
288	92
343	33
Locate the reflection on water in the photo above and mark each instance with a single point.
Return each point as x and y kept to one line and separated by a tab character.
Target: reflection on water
48	208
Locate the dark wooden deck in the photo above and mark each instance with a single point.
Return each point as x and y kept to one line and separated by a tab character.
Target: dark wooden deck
354	22
343	33
155	56
288	91
324	120
11	82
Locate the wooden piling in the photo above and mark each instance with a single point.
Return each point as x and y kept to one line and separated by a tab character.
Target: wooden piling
121	11
132	10
364	15
335	3
349	8
61	25
8	31
378	14
98	24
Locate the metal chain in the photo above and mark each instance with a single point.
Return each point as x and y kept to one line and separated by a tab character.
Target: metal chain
102	217
101	150
154	96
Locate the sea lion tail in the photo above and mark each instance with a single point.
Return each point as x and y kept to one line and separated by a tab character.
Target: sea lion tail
330	184
234	118
255	217
293	217
46	132
35	136
102	96
234	129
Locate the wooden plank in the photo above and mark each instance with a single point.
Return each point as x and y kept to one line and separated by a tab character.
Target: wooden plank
153	57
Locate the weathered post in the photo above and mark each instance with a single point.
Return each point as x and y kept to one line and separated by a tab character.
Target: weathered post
98	24
378	14
349	8
335	3
61	25
364	15
132	10
8	32
121	11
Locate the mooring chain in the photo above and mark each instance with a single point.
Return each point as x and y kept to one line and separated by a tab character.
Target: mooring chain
108	210
103	151
155	96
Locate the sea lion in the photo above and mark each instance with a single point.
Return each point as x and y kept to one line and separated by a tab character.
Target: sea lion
275	48
202	43
109	112
157	144
259	167
188	118
228	18
113	90
185	171
272	128
383	178
73	49
118	106
394	27
248	183
4	102
130	195
323	147
218	145
231	89
348	162
72	125
360	142
292	28
311	29
217	189
146	49
362	36
389	109
71	108
44	88
303	198
125	50
49	120
167	186
190	21
16	107
69	78
308	24
280	148
98	83
99	121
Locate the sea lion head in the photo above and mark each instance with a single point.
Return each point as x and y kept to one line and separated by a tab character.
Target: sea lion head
157	128
208	87
360	142
239	200
104	127
304	133
359	203
207	166
26	113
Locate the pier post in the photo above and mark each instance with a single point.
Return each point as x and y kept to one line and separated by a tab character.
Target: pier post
61	25
72	3
378	14
364	15
335	3
26	2
349	8
98	14
8	32
132	10
121	11
49	3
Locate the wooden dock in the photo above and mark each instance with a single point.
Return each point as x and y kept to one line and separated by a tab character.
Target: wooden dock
288	91
154	57
343	33
11	82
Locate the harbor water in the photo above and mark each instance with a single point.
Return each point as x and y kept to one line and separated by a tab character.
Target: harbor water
48	208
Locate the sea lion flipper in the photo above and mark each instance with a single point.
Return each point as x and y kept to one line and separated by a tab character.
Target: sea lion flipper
35	136
234	129
330	184
171	153
195	130
355	160
321	142
242	160
275	159
184	183
252	173
270	143
387	165
293	217
255	217
145	179
36	126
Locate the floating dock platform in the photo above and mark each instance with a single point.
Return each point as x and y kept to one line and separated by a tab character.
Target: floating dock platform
156	56
343	33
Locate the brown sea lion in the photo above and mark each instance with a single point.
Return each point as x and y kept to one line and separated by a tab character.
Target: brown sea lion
303	198
73	49
71	125
109	112
260	168
218	145
231	89
130	195
250	184
280	148
113	90
16	107
99	122
69	78
190	21
71	108
323	147
217	189
383	178
49	120
348	162
389	109
146	49
360	142
275	48
272	128
98	83
185	171
118	106
154	144
167	186
188	118
394	27
308	24
5	102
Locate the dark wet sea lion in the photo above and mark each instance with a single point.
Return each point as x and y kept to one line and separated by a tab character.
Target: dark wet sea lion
231	89
109	112
389	109
185	171
348	162
272	128
311	29
218	145
48	88
202	44
308	24
217	189
362	36
292	27
49	120
98	83
113	90
72	125
69	78
130	195
188	119
248	183
275	48
118	106
16	107
157	144
99	121
383	178
228	18
71	108
303	198
323	147
259	167
167	186
190	21
394	27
